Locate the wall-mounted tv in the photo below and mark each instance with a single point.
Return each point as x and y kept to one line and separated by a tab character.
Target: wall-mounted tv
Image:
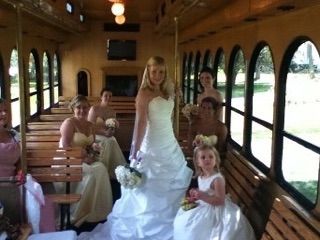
121	49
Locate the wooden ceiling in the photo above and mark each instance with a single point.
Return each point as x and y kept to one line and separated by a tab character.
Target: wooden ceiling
196	18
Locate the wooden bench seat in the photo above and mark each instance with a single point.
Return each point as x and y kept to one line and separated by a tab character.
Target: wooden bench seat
57	165
288	221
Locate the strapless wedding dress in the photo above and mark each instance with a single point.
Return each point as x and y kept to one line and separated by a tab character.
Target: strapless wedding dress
147	212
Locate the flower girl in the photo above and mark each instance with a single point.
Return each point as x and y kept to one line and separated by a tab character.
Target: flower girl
214	216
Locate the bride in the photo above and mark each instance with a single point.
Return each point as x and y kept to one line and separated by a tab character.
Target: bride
147	212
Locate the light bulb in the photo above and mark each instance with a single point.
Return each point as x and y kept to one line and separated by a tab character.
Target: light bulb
120	19
117	9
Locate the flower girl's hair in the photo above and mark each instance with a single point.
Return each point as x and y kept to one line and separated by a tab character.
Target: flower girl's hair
198	170
166	87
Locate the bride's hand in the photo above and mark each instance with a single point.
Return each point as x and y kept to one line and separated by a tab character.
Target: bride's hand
134	163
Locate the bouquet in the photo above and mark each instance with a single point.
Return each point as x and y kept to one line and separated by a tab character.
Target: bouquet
111	123
190	110
204	140
92	152
128	176
188	203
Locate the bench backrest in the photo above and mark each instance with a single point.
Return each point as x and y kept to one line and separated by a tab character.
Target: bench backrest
55	165
287	222
38	126
245	184
45	141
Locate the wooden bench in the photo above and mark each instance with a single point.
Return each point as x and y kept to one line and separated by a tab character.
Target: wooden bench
57	165
115	101
55	117
117	108
244	184
36	141
287	220
44	125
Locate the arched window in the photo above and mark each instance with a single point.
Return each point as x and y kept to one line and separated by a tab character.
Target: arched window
56	78
261	85
238	81
184	84
2	82
197	68
208	59
221	77
300	115
34	102
46	68
189	73
14	88
192	80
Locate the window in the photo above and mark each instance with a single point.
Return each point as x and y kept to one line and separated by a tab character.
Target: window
188	78
221	78
69	7
191	81
2	82
46	80
300	134
238	81
33	83
262	84
56	78
197	69
81	18
221	73
14	88
208	59
184	84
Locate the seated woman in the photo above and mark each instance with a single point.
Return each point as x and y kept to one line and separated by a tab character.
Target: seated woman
41	215
207	124
110	155
95	188
207	79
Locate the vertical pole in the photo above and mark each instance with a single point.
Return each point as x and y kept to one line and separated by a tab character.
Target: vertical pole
177	82
21	88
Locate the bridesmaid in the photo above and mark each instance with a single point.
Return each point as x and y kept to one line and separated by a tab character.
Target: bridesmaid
9	144
207	124
95	188
110	155
9	158
207	79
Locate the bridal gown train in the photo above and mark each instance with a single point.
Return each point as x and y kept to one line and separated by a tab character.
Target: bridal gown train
147	212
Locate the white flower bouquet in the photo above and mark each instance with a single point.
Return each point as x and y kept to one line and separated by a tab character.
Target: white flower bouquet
190	110
111	122
128	176
205	140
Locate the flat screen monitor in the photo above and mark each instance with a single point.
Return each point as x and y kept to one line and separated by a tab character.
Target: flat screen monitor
121	49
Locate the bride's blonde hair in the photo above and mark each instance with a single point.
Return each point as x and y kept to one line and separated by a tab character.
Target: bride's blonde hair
166	87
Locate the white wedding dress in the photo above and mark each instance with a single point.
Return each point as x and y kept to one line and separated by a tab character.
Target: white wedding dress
147	212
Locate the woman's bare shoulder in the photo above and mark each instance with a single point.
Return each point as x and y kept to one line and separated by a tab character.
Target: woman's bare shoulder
144	95
68	124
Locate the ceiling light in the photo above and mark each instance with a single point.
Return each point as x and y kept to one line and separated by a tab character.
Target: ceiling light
120	19
117	8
